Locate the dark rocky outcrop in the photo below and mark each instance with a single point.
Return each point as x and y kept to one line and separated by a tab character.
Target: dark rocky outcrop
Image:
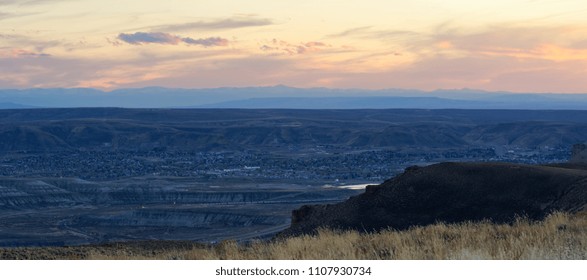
452	192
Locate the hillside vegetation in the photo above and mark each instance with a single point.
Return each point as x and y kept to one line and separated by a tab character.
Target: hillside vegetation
114	129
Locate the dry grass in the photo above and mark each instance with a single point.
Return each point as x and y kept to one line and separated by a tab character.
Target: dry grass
559	236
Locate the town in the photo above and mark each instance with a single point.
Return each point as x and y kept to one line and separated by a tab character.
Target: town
322	164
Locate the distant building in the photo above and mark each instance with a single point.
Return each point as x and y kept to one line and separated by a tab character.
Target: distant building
579	154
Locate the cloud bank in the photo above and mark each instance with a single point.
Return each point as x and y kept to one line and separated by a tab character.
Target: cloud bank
230	23
141	38
28	2
5	15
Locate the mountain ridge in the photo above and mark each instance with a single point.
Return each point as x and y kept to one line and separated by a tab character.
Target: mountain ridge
196	129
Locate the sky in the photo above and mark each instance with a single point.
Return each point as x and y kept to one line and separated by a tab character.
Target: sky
498	45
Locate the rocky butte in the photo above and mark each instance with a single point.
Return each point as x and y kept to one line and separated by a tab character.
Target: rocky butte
453	192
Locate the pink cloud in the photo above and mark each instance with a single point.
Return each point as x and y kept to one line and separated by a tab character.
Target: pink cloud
314	44
20	53
285	47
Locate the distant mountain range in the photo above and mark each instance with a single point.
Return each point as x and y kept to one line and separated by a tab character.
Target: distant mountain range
10	105
284	97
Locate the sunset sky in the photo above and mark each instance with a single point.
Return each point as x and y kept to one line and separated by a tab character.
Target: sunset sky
506	45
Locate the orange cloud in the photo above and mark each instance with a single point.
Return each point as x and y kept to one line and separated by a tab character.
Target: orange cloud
544	51
558	53
549	43
445	45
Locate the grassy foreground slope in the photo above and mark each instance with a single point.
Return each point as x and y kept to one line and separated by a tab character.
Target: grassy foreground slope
559	236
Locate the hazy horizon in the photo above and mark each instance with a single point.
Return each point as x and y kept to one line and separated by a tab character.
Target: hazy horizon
387	89
284	97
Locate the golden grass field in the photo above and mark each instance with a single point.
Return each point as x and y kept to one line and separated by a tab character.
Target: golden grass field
559	236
